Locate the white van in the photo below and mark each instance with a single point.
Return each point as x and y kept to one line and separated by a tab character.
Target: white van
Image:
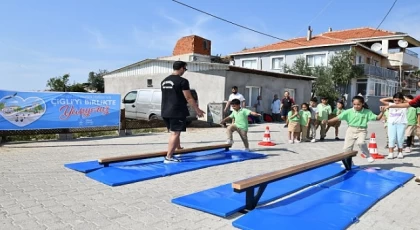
145	104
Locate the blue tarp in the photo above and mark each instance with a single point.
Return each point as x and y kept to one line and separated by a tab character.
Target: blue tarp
223	201
335	204
134	171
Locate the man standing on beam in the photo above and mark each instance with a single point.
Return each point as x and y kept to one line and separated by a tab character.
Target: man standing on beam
174	111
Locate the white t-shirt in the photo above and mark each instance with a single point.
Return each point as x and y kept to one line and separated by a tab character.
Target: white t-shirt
397	115
314	111
238	96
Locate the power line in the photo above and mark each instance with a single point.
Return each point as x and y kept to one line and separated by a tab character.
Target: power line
236	24
319	14
383	19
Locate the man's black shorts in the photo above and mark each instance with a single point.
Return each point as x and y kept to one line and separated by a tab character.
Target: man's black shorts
176	124
284	112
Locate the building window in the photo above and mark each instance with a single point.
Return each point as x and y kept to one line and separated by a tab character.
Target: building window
361	87
277	63
149	83
251	93
359	59
382	88
250	64
316	60
205	44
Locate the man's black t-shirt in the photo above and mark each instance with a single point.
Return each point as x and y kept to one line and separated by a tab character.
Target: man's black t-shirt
174	103
287	103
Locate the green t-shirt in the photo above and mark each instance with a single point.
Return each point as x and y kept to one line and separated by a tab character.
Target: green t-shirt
337	111
241	118
295	118
323	112
304	116
412	115
357	118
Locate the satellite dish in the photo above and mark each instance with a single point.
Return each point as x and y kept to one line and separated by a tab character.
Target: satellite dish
402	43
376	46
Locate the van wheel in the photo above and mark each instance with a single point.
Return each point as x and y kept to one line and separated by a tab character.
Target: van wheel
153	117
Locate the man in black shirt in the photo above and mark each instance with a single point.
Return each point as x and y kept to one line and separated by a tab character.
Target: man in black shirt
175	96
286	105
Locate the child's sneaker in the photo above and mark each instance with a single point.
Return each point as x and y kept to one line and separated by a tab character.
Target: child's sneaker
290	141
400	155
171	160
390	156
247	150
337	139
313	140
297	141
229	142
370	159
407	149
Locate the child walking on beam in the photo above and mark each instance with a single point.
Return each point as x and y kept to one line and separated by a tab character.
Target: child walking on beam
357	119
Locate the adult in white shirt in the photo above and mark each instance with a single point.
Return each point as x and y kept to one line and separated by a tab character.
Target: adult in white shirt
397	121
275	108
235	95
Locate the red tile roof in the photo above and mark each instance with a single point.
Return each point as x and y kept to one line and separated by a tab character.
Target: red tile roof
328	38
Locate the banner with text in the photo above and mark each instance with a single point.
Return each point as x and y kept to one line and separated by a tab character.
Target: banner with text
50	110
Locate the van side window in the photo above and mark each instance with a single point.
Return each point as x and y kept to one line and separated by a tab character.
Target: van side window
130	97
157	98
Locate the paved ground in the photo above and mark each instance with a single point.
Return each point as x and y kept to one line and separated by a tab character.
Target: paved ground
38	192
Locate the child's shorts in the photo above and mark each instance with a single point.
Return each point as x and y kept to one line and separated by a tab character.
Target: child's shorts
294	126
410	130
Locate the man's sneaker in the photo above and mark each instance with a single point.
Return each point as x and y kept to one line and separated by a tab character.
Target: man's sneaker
390	156
322	138
229	142
400	155
313	140
171	160
407	149
370	159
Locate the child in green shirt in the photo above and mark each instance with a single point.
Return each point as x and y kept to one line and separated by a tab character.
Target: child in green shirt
294	125
357	119
323	111
410	130
337	111
305	121
240	122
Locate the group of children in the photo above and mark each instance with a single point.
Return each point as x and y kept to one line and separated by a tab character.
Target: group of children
304	123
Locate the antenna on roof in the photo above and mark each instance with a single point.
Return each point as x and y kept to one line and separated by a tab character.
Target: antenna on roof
376	46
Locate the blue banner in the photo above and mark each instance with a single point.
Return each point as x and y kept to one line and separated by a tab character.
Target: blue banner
51	110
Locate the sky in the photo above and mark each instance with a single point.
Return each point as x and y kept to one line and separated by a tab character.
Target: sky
48	38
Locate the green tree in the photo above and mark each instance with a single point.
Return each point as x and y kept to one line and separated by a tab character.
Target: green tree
299	66
324	85
77	87
96	80
59	84
343	70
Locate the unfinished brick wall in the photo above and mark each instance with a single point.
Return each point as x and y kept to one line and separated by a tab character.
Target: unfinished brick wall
192	44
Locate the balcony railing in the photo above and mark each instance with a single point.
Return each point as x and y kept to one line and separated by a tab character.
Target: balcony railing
407	51
371	70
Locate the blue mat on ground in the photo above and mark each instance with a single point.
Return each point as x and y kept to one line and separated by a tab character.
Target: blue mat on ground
223	201
335	204
124	174
89	166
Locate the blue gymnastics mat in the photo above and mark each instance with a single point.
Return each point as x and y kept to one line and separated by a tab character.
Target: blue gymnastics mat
335	204
117	175
89	166
223	201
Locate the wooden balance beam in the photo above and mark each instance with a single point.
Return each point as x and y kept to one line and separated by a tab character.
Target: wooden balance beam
261	181
108	160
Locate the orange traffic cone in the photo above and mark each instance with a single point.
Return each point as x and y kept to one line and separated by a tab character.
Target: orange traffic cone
373	148
267	139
